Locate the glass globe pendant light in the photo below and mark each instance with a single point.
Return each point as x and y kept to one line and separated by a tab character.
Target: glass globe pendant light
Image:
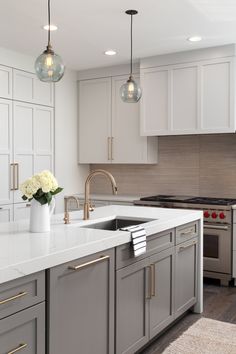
131	92
49	66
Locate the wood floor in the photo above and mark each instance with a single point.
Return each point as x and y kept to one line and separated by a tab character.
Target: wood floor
219	304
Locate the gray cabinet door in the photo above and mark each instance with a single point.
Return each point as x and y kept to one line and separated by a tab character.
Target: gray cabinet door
132	307
161	302
24	332
81	306
186	266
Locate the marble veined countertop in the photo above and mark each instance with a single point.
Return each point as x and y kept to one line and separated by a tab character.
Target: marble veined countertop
23	253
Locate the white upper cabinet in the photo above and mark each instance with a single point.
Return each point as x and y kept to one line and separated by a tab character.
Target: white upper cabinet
109	129
127	144
217	96
193	97
6	152
154	101
28	88
184	108
5	82
94	120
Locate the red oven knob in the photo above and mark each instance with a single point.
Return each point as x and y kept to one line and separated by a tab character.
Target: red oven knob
206	214
222	215
214	215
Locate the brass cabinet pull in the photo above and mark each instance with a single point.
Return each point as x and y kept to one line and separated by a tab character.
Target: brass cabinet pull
28	205
112	139
12	171
15	297
109	148
182	248
21	346
87	264
153	282
188	231
149	295
17	176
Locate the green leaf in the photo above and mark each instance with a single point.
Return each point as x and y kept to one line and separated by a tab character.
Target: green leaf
24	197
48	197
58	190
42	199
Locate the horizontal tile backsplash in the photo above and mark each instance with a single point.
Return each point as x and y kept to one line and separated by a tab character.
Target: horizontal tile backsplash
201	165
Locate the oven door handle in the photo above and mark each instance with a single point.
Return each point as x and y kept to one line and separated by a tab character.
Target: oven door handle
216	227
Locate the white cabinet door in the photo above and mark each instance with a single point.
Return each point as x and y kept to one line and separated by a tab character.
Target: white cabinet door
217	96
21	211
127	144
190	98
5	82
94	120
33	141
155	101
28	88
6	213
184	99
6	170
43	138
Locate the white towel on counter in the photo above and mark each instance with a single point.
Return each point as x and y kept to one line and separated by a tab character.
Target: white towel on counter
139	242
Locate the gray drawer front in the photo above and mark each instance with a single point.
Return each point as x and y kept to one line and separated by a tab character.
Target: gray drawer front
24	331
21	293
186	232
155	243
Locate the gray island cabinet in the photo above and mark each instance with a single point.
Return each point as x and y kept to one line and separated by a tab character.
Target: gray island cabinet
152	292
105	303
22	315
81	306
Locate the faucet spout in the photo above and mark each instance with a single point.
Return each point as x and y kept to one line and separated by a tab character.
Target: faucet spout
87	187
66	212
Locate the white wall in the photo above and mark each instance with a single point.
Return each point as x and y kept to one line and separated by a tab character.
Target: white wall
70	175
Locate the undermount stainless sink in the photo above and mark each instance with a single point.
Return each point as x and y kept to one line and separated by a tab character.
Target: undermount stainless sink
116	224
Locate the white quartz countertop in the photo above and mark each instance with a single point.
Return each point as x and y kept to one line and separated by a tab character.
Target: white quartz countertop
110	197
23	253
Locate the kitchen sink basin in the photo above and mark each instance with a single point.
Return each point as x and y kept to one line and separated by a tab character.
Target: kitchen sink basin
116	224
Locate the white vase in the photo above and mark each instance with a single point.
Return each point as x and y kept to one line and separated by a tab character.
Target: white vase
40	216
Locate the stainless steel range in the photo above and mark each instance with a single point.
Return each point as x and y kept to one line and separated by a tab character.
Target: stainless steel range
218	225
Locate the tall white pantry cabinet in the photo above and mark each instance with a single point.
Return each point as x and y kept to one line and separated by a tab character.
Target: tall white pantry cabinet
26	136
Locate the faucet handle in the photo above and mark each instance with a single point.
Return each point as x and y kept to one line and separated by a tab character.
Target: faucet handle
91	207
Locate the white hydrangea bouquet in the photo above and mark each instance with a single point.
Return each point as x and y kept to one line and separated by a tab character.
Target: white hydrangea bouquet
42	187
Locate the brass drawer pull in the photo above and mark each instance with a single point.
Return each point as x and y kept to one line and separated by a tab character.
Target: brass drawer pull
149	282
187	246
87	264
15	297
21	346
153	283
188	231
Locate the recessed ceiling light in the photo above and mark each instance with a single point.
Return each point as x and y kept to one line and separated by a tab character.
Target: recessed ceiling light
52	27
195	39
110	52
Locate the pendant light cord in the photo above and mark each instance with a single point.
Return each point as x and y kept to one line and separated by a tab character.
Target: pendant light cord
49	24
131	49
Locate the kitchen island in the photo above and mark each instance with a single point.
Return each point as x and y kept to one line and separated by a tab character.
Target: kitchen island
99	297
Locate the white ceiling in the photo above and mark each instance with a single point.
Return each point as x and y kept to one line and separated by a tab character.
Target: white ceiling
88	27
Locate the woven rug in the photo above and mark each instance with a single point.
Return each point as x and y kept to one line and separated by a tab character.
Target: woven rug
206	336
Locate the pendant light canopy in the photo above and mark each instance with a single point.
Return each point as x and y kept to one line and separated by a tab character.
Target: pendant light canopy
49	66
131	92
